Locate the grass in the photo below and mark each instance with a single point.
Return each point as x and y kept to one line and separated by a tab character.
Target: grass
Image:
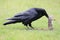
13	32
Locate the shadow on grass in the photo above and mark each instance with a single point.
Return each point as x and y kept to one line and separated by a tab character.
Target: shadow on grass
39	29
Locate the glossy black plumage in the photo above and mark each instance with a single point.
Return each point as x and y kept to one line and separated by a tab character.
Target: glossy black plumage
28	16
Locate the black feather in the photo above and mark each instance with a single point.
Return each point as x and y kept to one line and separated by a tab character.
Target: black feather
28	16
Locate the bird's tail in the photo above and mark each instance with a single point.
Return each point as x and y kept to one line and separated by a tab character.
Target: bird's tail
10	22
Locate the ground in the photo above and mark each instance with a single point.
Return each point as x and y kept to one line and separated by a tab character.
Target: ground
8	8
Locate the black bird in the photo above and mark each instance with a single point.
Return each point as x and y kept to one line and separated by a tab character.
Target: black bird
28	16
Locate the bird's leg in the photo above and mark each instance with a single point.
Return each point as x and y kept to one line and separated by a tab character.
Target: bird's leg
26	26
31	25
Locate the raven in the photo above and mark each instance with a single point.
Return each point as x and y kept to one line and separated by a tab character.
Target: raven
28	16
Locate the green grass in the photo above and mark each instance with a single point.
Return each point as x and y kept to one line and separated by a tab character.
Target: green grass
9	8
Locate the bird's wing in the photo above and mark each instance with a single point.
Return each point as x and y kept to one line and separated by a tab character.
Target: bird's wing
19	18
21	14
27	15
23	17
